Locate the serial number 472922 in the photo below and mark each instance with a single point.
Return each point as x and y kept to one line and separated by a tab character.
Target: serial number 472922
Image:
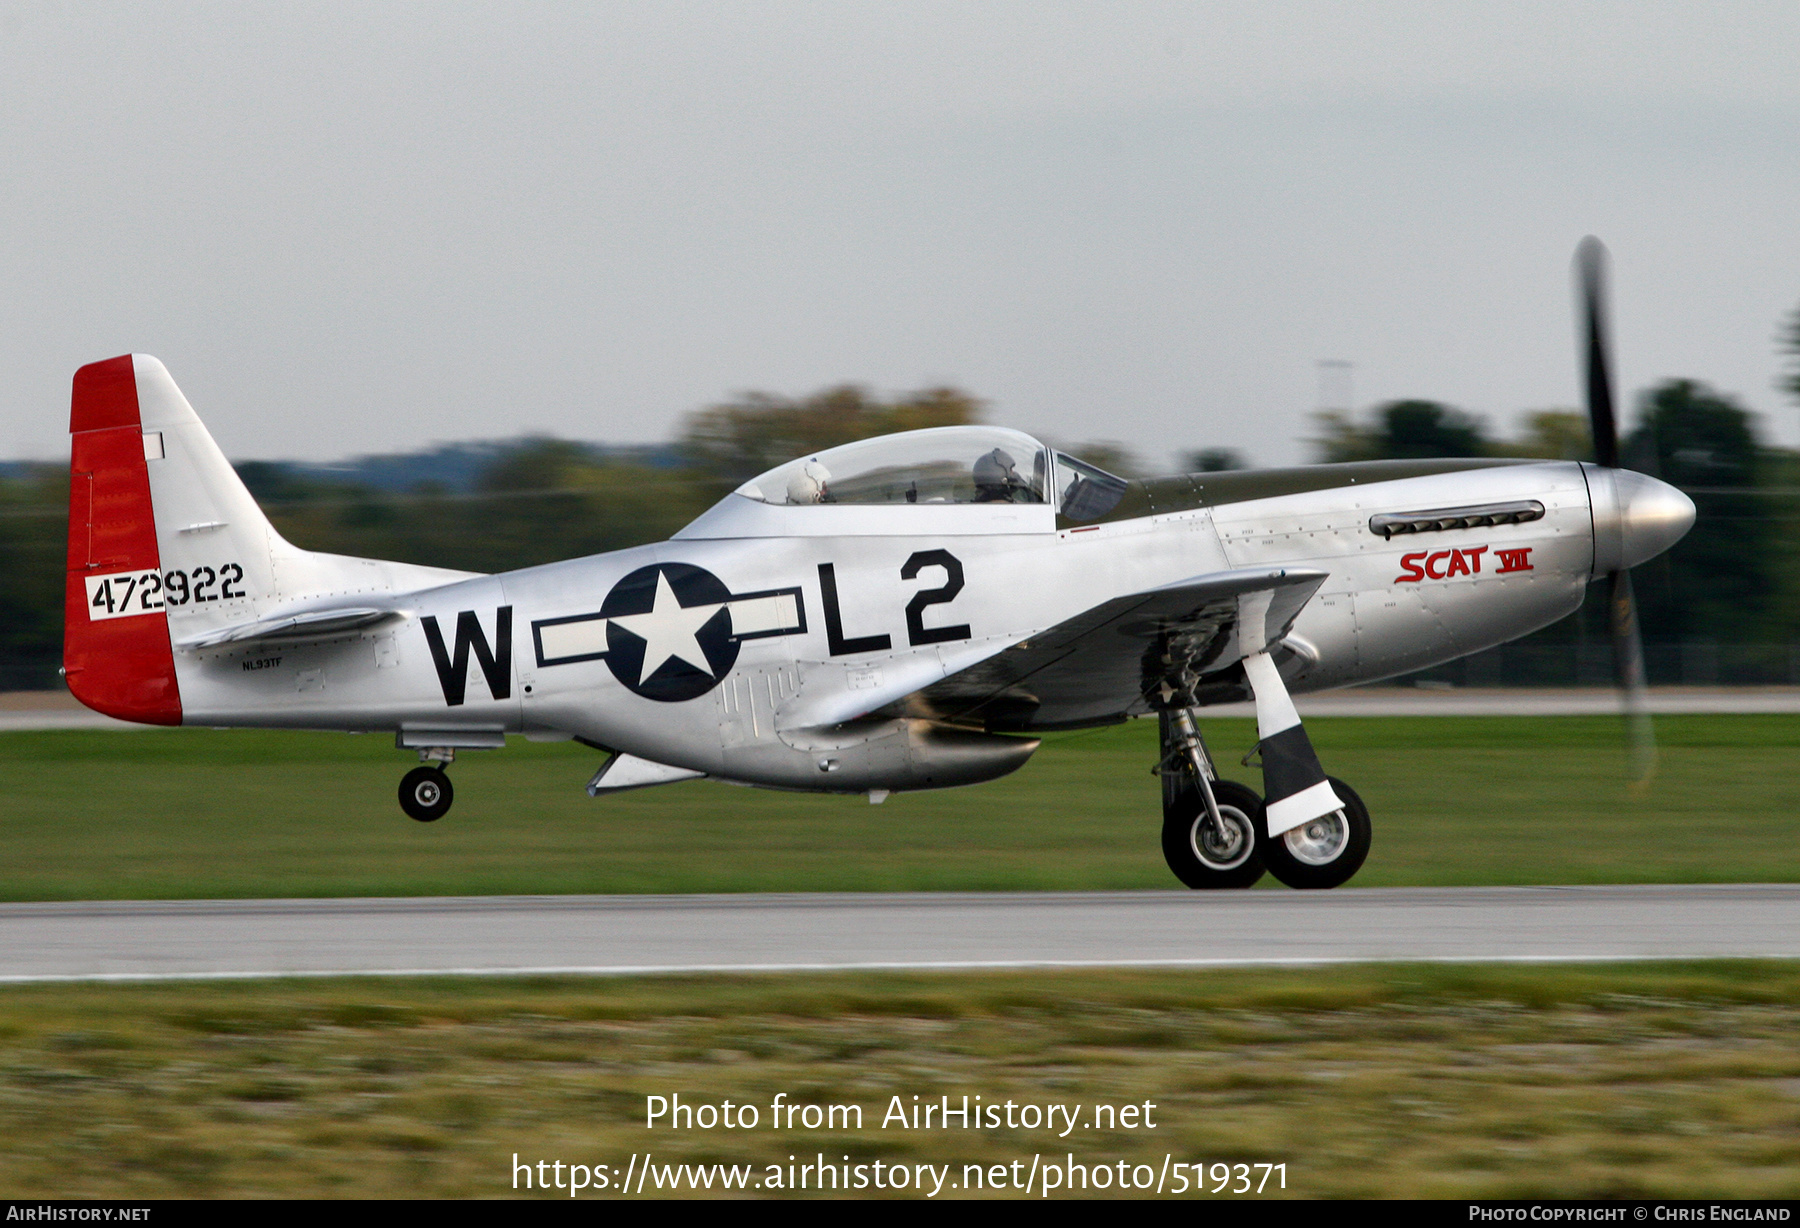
146	592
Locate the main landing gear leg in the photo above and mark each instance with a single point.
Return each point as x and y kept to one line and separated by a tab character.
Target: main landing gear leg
425	792
1210	826
1314	830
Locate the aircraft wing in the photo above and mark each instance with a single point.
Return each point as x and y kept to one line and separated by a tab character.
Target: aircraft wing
1105	663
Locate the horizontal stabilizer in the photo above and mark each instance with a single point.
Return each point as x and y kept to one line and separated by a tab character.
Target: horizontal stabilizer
294	628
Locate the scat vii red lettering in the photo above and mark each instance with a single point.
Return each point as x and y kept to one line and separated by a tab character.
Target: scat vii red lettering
1421	565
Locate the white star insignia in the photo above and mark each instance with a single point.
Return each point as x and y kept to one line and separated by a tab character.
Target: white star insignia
668	630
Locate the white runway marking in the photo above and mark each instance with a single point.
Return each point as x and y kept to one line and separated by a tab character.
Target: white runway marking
617	935
1584	701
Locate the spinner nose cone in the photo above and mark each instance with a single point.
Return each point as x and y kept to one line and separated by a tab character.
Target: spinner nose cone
1636	518
1655	516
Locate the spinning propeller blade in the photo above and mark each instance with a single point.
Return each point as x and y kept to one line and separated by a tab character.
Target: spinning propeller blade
1628	668
1628	645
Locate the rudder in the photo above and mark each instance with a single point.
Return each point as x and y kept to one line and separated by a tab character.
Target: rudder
117	656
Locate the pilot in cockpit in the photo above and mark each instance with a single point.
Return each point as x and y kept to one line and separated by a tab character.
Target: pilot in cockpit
811	483
997	479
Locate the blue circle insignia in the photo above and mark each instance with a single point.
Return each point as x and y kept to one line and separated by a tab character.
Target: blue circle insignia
668	631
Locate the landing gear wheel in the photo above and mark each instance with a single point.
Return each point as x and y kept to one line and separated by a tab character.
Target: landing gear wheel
425	794
1194	849
1322	852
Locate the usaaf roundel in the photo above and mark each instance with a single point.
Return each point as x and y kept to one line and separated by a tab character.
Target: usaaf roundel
669	631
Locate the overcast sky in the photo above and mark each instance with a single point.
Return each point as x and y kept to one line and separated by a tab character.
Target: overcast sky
359	228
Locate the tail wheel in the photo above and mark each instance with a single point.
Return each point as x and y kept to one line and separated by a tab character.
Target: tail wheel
425	794
1322	852
1203	857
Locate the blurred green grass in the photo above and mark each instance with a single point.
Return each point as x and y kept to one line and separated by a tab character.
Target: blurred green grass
1480	800
1426	1081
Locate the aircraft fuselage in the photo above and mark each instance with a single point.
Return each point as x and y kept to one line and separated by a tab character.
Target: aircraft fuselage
758	625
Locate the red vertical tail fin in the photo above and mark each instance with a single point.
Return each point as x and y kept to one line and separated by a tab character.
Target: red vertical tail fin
116	650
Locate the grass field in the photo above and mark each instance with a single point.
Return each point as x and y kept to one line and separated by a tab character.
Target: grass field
1422	1081
1655	1080
195	813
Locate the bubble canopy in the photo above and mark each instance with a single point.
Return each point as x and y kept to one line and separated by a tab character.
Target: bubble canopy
951	464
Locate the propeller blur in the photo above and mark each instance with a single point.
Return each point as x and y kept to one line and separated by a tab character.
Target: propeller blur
1636	517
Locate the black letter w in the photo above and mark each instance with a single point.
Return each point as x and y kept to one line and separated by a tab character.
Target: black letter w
496	666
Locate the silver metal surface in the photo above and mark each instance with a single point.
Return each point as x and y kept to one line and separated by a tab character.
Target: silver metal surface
622	934
1227	846
1636	517
1318	842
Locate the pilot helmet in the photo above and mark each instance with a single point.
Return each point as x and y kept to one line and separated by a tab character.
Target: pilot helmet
808	483
996	473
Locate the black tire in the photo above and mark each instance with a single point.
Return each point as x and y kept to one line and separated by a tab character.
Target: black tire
1313	856
1186	852
425	794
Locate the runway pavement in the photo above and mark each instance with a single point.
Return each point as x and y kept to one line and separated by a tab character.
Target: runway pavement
749	933
22	711
1498	701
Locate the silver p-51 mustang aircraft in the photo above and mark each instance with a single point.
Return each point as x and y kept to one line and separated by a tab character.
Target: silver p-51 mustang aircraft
899	613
